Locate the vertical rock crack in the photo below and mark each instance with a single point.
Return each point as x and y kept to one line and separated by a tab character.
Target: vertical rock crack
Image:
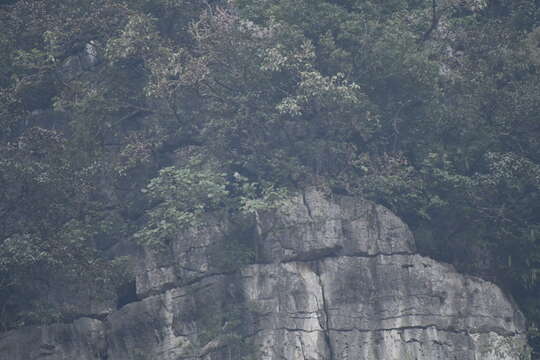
306	204
326	321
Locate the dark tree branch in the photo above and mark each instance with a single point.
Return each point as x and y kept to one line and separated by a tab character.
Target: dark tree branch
435	18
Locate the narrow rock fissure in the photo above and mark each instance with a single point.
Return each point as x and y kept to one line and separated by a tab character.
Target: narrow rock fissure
326	323
283	227
302	347
374	221
333	253
306	204
206	276
179	285
104	353
425	327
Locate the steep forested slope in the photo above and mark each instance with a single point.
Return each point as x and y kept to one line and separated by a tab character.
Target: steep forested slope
127	120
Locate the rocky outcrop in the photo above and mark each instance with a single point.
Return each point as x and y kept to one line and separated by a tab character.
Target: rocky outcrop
334	278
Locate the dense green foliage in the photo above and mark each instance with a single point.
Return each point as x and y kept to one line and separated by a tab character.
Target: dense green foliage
129	119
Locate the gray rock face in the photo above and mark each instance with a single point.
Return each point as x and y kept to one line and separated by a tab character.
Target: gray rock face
191	258
84	339
380	307
311	226
335	279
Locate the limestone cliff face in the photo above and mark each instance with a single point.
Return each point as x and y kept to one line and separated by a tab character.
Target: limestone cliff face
334	279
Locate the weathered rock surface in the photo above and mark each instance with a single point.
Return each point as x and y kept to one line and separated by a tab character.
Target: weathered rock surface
84	339
334	279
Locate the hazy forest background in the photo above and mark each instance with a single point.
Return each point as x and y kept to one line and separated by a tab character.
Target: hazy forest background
126	120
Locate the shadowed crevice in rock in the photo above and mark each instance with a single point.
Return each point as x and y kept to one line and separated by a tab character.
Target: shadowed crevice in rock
326	321
126	294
